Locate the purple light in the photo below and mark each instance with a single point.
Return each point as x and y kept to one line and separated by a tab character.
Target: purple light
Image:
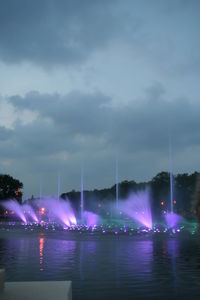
172	219
90	218
28	210
15	207
138	208
58	210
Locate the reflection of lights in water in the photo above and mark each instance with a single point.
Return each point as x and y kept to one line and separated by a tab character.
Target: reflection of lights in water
41	253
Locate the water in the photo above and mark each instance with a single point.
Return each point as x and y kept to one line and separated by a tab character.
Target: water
107	267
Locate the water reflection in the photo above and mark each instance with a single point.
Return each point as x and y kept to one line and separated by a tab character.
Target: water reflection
116	268
138	257
173	248
41	253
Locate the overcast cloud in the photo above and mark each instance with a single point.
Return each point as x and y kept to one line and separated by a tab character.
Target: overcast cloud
83	80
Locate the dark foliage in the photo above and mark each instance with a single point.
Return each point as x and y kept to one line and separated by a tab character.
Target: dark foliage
10	188
184	186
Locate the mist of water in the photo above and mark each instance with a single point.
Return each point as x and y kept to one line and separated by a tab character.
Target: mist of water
15	208
58	210
90	218
172	219
30	213
138	207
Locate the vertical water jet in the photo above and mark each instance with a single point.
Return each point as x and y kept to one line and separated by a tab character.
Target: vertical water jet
171	177
117	182
40	187
58	192
82	196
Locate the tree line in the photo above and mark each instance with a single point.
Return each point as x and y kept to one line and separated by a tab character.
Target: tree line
184	188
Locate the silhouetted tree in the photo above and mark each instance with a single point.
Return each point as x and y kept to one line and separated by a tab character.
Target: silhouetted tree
10	188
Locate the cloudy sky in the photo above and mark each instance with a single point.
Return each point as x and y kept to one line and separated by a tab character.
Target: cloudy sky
84	81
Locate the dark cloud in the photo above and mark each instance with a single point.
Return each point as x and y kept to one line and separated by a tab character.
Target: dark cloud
76	113
50	32
76	120
86	127
160	39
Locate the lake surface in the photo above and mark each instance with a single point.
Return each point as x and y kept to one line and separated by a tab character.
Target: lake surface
107	267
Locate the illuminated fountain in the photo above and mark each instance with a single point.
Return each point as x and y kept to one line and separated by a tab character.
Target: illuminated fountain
171	179
58	195
30	213
54	212
40	187
15	209
82	196
117	184
57	210
90	219
171	218
137	206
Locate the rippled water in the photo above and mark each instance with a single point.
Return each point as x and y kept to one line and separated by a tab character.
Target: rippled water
107	267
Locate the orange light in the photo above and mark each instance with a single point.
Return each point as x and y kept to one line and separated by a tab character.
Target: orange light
174	201
42	211
17	192
162	203
41	252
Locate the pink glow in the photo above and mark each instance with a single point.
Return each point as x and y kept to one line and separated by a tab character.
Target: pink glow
14	206
138	208
58	210
30	214
90	218
172	219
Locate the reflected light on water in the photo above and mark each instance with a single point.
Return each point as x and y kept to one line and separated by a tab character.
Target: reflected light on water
41	253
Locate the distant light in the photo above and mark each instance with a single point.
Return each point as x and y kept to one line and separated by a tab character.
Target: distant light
17	192
42	211
162	203
174	201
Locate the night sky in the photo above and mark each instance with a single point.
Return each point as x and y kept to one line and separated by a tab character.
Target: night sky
86	81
